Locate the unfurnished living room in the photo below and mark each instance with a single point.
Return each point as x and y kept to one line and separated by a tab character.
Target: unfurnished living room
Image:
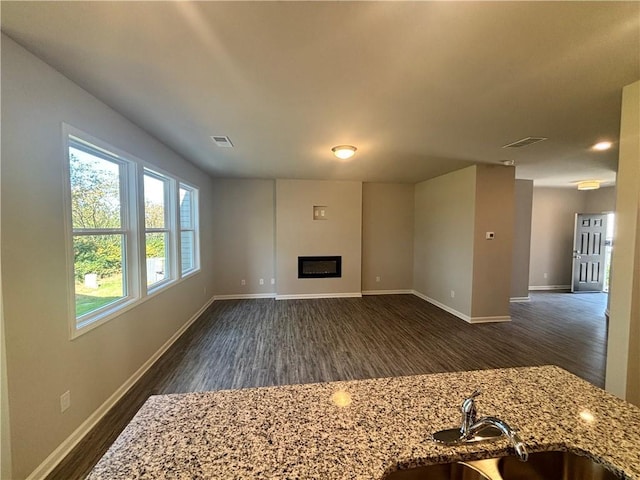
320	240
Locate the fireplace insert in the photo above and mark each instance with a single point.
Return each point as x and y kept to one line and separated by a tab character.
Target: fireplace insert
319	267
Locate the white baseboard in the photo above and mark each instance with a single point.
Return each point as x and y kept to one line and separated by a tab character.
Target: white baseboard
520	299
387	292
444	307
246	296
461	315
504	318
549	287
47	466
319	295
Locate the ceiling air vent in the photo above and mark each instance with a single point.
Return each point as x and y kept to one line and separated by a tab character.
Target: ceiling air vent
524	142
222	141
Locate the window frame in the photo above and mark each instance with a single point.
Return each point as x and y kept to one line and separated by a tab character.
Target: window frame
74	138
133	218
171	252
195	214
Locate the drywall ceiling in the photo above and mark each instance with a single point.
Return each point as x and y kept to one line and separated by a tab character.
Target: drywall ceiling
421	88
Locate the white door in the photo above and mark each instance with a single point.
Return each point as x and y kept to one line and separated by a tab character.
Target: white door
588	252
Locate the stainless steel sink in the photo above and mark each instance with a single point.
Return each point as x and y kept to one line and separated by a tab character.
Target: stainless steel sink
443	471
553	466
540	466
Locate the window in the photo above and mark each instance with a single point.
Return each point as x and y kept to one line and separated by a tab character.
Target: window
188	197
101	233
157	228
125	245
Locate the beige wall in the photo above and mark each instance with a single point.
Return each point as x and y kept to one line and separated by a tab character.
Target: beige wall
552	228
633	370
624	319
5	430
387	236
42	362
298	234
521	239
492	259
243	236
602	200
443	239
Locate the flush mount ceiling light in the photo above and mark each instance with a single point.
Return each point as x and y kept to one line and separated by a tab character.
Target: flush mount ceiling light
344	152
601	146
508	163
589	185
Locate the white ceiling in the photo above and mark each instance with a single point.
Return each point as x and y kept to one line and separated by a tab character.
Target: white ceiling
421	88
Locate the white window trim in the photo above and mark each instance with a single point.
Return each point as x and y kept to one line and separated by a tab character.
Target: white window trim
170	200
195	210
137	291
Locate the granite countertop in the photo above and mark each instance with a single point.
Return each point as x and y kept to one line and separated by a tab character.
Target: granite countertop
365	429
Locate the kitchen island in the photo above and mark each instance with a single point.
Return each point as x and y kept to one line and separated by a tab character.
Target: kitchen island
365	429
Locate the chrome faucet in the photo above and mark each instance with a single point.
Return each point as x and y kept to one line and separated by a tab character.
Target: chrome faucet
469	413
486	428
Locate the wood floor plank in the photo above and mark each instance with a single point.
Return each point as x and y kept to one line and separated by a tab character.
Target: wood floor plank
262	342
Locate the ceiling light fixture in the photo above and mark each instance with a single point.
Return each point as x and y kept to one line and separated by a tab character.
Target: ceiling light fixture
601	146
589	185
344	152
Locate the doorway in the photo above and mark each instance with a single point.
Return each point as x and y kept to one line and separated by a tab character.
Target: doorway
608	246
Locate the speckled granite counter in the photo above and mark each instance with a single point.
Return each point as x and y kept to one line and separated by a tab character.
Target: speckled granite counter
369	428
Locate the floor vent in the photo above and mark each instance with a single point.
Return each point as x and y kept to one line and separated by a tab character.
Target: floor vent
524	142
222	141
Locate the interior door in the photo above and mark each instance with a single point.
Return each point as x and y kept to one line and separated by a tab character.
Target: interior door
588	252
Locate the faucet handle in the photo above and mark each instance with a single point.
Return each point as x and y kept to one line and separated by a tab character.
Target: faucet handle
469	412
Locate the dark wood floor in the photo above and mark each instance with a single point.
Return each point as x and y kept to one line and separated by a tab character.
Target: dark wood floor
250	343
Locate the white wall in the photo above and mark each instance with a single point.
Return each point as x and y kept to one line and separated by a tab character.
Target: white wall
42	362
298	234
387	236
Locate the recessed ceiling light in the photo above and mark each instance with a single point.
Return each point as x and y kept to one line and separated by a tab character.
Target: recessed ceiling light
344	152
589	185
600	146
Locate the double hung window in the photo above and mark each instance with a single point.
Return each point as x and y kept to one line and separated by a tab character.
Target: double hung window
133	229
102	237
188	208
157	223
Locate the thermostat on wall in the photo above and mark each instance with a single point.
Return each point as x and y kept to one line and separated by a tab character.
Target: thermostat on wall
490	235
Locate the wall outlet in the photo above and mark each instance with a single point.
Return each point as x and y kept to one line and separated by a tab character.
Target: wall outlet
545	275
65	401
490	235
273	281
261	281
453	294
243	282
377	278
